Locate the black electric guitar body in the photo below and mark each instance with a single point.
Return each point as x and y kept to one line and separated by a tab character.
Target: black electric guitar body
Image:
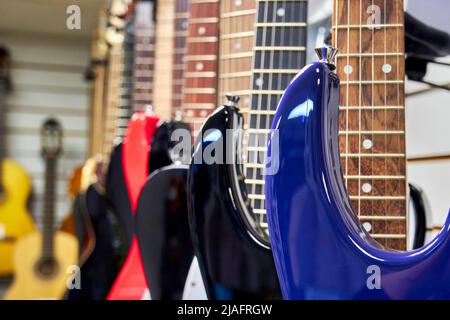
162	229
100	268
162	225
117	193
115	182
233	262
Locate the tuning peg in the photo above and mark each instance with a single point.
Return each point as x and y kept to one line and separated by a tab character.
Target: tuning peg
327	55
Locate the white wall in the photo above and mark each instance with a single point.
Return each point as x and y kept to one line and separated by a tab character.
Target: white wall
48	79
428	135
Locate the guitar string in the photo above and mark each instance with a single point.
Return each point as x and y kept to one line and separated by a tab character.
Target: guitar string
372	117
270	87
347	151
399	12
252	154
385	112
360	104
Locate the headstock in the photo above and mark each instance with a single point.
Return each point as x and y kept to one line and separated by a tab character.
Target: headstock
117	12
51	139
145	13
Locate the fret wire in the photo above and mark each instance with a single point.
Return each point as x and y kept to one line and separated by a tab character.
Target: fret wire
393	132
367	26
372	82
375	155
381	218
388	236
373	177
368	54
359	198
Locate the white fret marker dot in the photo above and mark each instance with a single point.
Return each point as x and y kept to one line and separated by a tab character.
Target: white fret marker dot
281	12
367	226
247	101
237	45
259	82
190	113
201	30
204	113
367	144
238	3
184	24
199	66
366	187
348	69
387	68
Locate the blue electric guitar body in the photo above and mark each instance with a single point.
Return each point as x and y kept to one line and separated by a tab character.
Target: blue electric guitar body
321	250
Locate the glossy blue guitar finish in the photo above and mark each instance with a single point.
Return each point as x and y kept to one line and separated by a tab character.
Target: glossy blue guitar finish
321	250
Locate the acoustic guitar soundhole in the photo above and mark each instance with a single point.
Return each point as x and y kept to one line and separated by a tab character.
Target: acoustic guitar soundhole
46	268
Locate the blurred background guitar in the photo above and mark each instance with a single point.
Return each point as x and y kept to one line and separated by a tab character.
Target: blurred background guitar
15	184
42	259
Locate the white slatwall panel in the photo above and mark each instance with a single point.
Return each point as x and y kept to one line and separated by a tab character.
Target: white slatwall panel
48	81
428	134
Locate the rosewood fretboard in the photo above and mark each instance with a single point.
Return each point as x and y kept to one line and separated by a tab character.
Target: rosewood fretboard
179	54
370	37
200	84
237	19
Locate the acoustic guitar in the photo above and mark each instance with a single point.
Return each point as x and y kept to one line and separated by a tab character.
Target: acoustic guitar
82	176
15	221
43	260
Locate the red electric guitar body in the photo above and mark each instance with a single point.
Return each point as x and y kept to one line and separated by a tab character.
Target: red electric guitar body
130	283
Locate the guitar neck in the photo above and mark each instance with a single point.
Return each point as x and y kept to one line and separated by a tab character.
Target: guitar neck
97	71
237	21
48	223
279	53
114	85
144	53
3	91
370	38
5	61
124	111
200	84
163	56
181	23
